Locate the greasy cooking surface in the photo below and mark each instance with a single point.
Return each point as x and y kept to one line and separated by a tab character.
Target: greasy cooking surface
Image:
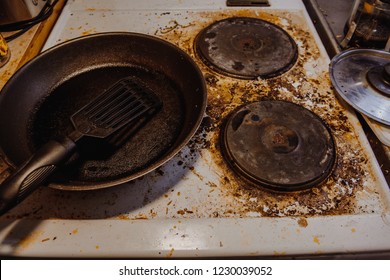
198	183
278	145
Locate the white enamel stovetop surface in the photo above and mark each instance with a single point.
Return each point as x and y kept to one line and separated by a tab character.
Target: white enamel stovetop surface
188	208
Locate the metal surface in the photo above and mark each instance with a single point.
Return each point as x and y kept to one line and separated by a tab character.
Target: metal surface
14	11
348	72
329	18
126	101
246	48
279	145
368	25
379	78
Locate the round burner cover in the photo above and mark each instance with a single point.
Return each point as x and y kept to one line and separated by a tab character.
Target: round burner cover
246	48
279	145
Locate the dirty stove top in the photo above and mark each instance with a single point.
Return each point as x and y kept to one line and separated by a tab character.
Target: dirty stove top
197	204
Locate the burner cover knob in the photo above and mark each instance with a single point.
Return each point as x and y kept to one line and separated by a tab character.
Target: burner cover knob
379	78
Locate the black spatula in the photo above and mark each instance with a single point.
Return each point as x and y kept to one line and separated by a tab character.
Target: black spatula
124	103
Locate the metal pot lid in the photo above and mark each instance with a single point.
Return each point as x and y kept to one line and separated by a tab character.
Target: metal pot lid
362	78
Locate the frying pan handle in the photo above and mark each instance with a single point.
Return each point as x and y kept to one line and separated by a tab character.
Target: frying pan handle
34	172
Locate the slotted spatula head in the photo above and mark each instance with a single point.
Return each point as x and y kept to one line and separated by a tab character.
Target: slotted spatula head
127	100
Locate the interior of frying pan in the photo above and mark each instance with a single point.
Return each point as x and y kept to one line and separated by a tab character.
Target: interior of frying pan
36	105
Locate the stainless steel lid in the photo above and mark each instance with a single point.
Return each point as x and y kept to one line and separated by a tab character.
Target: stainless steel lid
361	77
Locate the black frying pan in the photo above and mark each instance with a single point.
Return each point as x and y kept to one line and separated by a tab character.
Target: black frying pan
36	103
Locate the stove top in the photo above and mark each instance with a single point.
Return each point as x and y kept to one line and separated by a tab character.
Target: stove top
197	204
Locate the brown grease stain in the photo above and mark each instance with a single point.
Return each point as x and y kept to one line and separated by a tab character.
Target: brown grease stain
302	222
170	254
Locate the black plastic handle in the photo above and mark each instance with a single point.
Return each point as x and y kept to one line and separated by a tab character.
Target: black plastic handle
34	173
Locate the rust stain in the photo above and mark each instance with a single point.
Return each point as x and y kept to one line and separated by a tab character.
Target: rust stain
184	211
279	253
316	240
153	213
141	216
353	230
88	32
170	254
302	222
123	217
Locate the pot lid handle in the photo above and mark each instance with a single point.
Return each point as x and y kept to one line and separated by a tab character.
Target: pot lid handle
379	78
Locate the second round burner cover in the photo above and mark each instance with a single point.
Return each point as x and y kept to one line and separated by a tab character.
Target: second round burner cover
246	48
279	145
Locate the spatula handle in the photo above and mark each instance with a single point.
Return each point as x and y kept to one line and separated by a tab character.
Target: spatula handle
34	172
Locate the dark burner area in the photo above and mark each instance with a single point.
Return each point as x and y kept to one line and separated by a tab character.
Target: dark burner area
246	48
278	145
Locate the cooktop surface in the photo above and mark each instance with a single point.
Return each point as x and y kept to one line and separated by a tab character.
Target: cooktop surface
270	104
